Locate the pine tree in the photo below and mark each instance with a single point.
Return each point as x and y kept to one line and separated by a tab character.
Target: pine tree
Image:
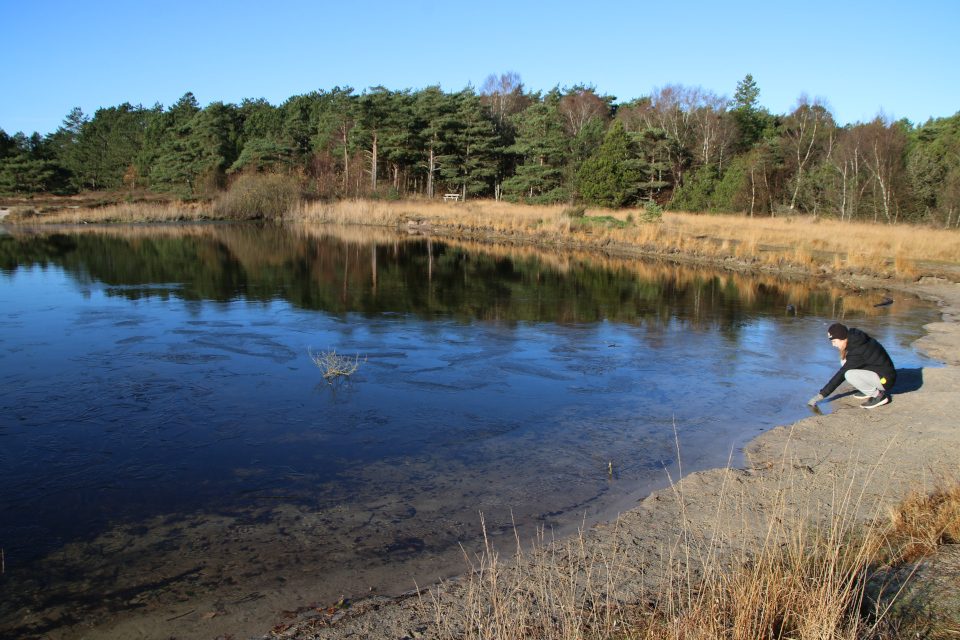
611	178
335	130
197	154
300	122
545	148
400	145
29	165
746	112
373	114
437	115
162	132
64	142
471	163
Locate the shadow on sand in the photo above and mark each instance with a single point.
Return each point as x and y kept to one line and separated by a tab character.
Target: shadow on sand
908	380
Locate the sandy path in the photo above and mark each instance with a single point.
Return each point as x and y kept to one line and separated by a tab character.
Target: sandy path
851	460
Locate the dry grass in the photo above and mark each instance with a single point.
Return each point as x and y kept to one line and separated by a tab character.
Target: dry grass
124	213
908	242
486	215
923	522
790	579
770	243
332	365
558	590
801	242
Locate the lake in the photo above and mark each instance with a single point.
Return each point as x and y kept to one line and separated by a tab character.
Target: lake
165	436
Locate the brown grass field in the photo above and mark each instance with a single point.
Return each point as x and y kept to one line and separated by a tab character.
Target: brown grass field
818	246
801	242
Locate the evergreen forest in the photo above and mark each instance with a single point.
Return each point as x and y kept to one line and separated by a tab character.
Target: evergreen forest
681	148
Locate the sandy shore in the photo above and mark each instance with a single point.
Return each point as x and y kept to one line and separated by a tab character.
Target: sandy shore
815	466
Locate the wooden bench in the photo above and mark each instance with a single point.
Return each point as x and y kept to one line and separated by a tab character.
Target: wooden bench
451	196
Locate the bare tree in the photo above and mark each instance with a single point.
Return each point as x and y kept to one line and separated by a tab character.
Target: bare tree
673	107
672	111
754	163
766	183
711	127
846	161
885	144
806	128
695	121
636	115
579	107
503	95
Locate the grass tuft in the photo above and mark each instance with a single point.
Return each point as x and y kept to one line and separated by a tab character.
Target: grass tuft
332	365
922	523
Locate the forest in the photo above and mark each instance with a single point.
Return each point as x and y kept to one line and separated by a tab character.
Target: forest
681	148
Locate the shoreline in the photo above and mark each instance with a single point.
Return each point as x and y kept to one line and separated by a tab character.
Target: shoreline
879	456
801	246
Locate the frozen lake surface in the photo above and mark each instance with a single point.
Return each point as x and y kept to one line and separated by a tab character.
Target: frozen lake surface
163	429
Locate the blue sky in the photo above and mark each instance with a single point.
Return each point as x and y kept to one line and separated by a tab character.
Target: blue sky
859	56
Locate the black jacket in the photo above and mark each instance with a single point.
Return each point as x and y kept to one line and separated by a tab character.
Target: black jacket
863	352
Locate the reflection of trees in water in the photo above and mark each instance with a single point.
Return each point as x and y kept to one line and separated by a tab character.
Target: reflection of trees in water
341	269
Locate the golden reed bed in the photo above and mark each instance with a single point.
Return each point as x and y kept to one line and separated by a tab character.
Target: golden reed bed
800	242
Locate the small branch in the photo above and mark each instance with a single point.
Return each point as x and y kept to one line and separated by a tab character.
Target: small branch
335	366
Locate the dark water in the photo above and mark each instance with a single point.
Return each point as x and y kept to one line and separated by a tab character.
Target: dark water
158	405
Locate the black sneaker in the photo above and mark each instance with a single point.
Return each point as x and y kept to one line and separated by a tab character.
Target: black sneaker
876	402
860	396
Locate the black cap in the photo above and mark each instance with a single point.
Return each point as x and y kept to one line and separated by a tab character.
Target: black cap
837	331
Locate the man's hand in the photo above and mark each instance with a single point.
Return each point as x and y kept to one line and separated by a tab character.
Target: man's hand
815	399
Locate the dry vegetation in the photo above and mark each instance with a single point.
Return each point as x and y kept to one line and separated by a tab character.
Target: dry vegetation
262	197
130	213
924	522
790	580
802	243
333	365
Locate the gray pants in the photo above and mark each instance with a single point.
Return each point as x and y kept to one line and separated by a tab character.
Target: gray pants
867	382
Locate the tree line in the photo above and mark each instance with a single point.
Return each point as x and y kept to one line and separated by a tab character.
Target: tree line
680	147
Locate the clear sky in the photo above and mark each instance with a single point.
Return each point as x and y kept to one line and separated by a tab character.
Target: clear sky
860	56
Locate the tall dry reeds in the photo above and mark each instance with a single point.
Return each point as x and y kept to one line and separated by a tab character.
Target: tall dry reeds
869	243
365	212
791	575
480	214
923	522
768	243
800	242
551	590
139	212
